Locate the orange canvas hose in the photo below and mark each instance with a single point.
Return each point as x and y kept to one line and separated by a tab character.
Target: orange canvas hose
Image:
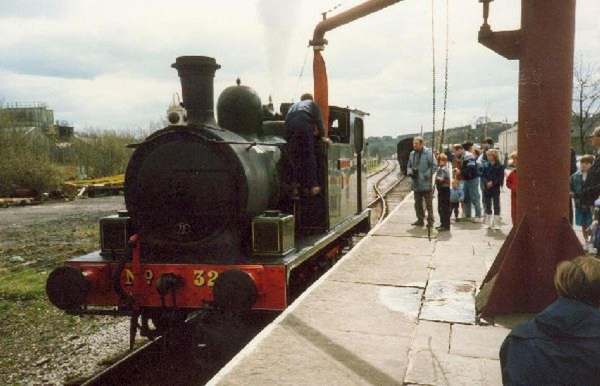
321	88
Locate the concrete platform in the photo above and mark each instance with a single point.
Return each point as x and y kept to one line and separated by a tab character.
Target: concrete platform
398	309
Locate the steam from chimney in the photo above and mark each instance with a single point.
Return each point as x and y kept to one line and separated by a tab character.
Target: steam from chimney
279	19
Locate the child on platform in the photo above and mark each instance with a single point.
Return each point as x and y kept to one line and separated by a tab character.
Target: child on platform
583	213
457	198
492	178
511	183
442	181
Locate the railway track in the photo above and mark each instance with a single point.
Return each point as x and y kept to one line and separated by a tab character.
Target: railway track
174	360
389	189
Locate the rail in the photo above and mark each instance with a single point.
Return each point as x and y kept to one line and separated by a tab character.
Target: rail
381	195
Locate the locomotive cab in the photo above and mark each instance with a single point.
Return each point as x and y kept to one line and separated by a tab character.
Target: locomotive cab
341	171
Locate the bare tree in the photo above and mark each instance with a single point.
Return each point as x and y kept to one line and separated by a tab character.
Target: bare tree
586	97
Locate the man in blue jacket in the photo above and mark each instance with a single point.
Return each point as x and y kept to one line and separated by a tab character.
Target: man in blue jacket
421	165
304	123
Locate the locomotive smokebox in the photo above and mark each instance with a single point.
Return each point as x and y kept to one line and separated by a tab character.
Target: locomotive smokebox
196	74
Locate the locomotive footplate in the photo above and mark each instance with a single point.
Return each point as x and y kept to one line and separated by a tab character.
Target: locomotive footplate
193	284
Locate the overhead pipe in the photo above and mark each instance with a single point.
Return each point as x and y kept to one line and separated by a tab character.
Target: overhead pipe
354	13
321	88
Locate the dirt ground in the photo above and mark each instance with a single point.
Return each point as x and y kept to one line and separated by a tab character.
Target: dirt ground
37	341
50	232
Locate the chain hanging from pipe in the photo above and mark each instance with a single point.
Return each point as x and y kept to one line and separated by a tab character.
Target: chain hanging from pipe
433	71
446	74
333	8
301	73
434	74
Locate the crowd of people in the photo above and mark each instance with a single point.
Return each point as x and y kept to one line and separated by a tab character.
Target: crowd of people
467	179
561	345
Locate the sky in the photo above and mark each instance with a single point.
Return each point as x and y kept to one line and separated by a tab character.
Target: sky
106	64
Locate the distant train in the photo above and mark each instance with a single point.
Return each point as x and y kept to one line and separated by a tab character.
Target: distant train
211	223
404	148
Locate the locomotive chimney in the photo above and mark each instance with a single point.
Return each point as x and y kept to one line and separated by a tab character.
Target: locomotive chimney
196	74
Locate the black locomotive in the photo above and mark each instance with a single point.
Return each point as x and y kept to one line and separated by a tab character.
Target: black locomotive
210	221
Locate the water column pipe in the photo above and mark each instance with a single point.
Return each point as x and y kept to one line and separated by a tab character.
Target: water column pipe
321	88
521	277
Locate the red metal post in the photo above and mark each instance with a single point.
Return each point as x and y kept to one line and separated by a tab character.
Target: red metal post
521	278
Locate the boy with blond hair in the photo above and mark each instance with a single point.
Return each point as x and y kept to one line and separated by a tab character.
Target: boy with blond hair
442	182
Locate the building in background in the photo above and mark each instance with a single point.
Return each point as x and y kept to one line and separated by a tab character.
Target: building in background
507	140
37	116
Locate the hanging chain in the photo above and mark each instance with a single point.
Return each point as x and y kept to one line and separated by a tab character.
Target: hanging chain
433	69
334	8
301	73
446	73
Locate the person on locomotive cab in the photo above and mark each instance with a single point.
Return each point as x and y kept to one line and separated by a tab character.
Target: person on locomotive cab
420	167
468	170
591	186
492	178
304	123
442	182
561	345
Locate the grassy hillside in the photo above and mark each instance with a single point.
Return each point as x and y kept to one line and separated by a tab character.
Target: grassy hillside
385	147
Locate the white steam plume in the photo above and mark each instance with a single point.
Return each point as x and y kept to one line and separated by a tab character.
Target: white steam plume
279	19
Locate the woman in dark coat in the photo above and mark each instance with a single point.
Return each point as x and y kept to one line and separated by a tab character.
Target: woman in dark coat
561	345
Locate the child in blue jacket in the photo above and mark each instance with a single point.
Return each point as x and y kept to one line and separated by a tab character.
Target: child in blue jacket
457	197
492	179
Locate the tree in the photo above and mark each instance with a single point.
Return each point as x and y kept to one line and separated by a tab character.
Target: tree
586	97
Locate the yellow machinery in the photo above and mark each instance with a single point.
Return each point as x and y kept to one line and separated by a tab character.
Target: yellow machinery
111	185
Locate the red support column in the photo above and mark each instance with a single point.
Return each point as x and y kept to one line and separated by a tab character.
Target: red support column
521	278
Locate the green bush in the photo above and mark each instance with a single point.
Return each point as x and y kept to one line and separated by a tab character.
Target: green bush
27	162
103	153
32	160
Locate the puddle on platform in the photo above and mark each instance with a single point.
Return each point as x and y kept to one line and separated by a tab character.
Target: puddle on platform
406	300
449	301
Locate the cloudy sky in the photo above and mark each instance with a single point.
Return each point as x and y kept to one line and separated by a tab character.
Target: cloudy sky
106	64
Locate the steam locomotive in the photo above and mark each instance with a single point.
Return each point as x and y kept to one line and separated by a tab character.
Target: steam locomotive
210	221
